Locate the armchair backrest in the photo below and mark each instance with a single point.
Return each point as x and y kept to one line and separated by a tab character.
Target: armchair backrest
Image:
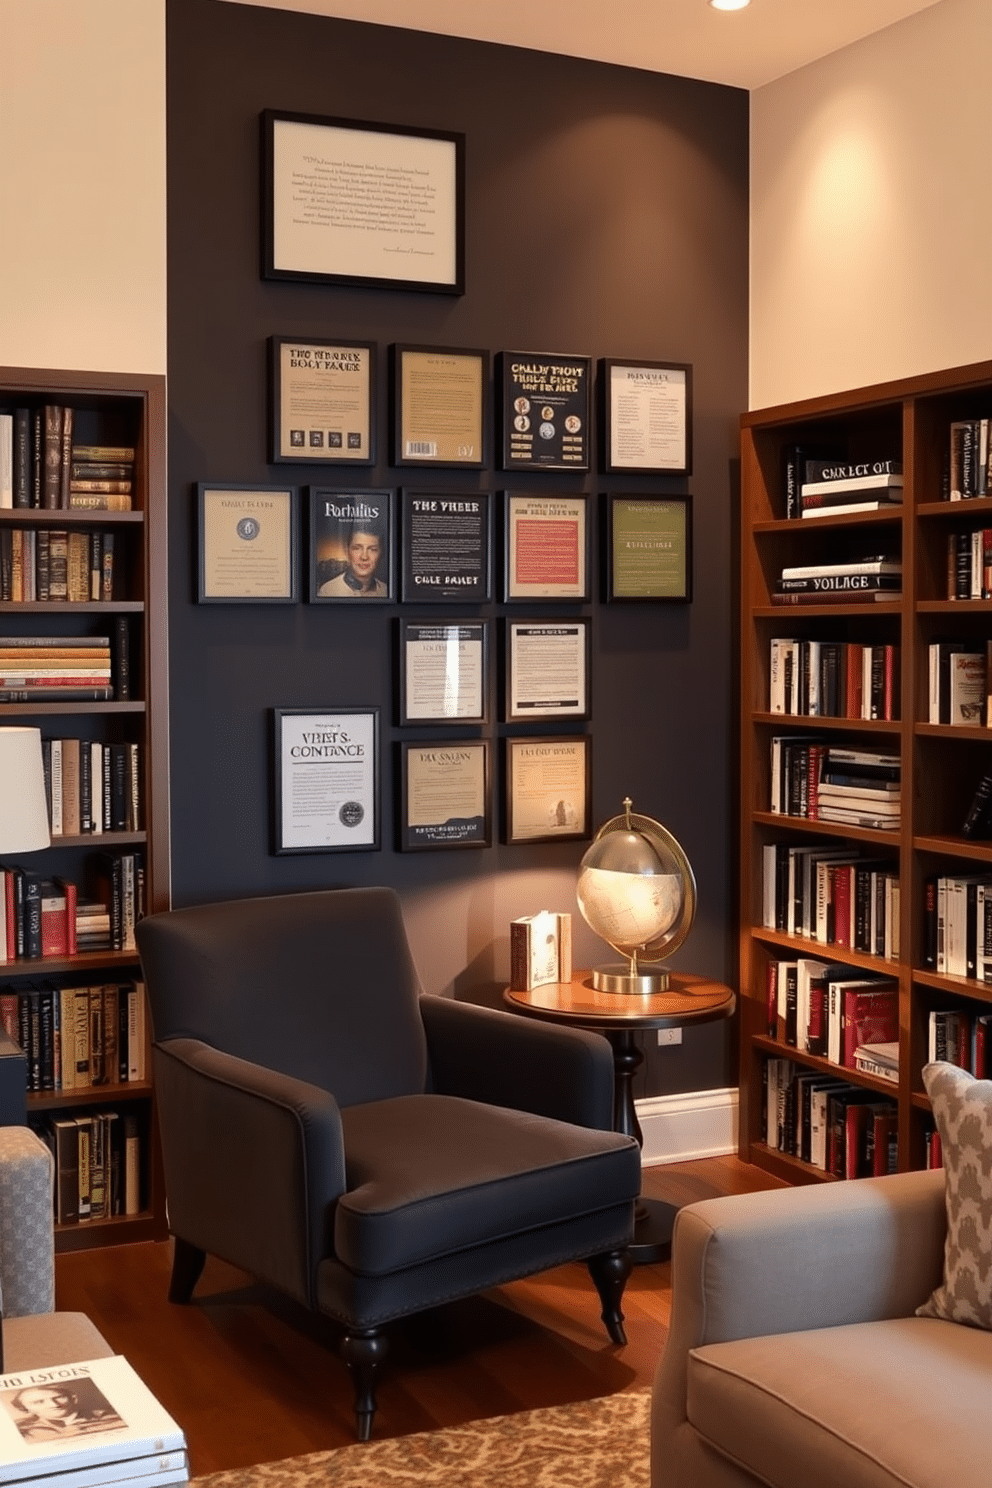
320	986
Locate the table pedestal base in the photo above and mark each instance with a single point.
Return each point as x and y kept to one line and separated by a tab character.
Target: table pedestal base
653	1221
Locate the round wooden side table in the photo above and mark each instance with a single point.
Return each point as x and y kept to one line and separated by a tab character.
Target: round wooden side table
689	1000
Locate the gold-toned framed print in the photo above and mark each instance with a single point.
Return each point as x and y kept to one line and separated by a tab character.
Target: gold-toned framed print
445	795
351	546
546	548
326	796
439	400
321	401
546	669
443	671
548	795
649	548
248	544
544	406
348	201
647	416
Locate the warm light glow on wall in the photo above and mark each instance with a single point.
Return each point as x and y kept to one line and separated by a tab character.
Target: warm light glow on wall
729	4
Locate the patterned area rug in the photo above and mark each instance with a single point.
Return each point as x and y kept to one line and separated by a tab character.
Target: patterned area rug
594	1444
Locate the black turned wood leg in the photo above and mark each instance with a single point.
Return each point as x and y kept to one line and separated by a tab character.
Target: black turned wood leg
363	1353
187	1266
610	1272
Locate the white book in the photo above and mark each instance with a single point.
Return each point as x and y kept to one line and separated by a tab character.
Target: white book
769	859
96	787
806	970
977	564
56	787
848	507
6	460
983	936
941	922
830	570
813	687
135	1031
853	483
818	1126
81	1417
776	675
892	918
955	927
967	688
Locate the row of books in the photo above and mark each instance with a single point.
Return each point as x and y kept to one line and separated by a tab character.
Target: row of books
969	564
824	892
92	787
823	781
963	1037
957	925
830	1010
97	1164
77	1038
44	564
840	1128
55	668
41	465
49	917
833	679
957	683
969	462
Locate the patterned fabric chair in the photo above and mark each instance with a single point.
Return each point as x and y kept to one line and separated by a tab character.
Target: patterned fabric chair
34	1335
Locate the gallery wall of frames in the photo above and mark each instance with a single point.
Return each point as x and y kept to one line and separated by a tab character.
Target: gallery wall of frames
452	519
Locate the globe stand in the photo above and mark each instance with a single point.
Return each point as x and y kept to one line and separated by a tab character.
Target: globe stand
653	1218
629	981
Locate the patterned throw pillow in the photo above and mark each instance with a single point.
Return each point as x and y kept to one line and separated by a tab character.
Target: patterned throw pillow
962	1108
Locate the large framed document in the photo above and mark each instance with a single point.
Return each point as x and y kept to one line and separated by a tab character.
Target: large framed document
544	405
248	544
445	795
443	671
649	548
446	547
548	789
546	547
546	669
326	780
440	394
647	416
321	401
349	202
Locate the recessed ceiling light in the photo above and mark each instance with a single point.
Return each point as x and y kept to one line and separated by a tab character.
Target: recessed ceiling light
729	4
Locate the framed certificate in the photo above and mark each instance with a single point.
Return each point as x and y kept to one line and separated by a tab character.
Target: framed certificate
546	666
445	795
647	416
544	407
439	403
321	401
546	547
347	202
446	547
649	542
248	544
548	789
351	546
327	780
443	671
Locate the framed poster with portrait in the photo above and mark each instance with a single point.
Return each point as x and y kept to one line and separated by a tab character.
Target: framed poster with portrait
248	544
544	405
649	548
647	416
445	795
548	789
351	546
321	401
546	548
326	795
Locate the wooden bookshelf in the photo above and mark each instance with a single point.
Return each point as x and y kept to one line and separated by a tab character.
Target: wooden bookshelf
908	420
109	409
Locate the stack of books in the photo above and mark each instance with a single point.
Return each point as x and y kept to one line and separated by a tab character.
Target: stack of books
832	488
540	950
101	477
55	669
855	581
859	787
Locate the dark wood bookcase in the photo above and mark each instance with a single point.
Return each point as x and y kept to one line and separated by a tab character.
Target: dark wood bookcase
941	765
118	410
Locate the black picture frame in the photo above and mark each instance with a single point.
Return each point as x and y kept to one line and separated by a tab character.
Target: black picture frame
442	671
546	547
545	411
339	519
648	556
445	546
248	543
548	788
428	428
342	812
321	180
646	416
546	671
439	778
322	401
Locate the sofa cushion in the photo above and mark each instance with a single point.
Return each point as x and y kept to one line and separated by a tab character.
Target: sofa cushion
962	1108
868	1405
432	1174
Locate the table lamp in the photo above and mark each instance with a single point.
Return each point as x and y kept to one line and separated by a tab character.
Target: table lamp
23	801
636	889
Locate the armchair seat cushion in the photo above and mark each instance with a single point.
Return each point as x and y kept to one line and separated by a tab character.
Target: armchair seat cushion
430	1175
855	1405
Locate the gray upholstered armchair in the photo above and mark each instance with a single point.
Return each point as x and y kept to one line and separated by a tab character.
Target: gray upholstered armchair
369	1151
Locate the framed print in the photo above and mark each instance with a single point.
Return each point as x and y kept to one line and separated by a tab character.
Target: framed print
546	669
548	789
647	416
446	546
546	547
544	405
321	401
445	795
350	202
248	544
443	671
649	540
327	779
439	406
351	546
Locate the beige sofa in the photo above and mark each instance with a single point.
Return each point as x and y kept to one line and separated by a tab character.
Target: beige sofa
795	1358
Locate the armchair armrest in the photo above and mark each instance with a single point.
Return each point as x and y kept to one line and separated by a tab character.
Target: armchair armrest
27	1231
254	1161
506	1060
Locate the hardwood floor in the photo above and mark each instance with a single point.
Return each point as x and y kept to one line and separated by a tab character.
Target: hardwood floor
250	1380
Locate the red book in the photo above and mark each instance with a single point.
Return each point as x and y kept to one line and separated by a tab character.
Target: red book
840	898
855	662
69	889
891	682
54	927
869	1015
8	1015
886	1124
772	998
855	1144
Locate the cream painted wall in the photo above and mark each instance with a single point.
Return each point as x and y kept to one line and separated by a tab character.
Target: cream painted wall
82	182
871	218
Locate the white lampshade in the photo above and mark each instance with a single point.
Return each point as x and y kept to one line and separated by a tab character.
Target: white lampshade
23	804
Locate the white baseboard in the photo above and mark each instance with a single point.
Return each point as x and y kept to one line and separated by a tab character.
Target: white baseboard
680	1128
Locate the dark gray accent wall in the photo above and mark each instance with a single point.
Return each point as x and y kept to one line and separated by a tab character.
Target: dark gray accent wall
606	216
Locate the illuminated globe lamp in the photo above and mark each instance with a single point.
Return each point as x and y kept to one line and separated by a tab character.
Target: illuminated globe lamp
636	889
